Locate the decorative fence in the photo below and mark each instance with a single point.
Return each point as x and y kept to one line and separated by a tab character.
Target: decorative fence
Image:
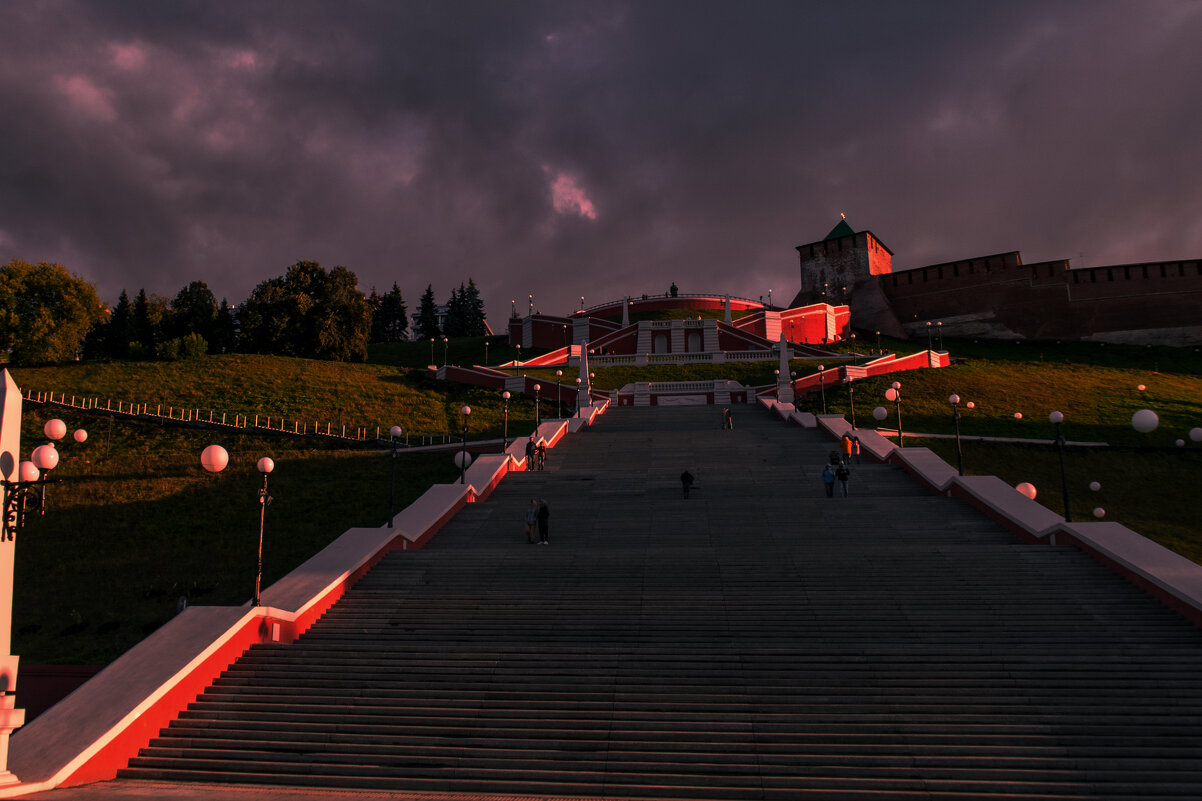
243	423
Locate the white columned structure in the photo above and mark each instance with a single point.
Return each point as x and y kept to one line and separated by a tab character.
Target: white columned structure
10	459
784	383
583	398
727	319
626	311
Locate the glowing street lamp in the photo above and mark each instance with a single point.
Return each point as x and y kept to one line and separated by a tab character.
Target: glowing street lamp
394	435
894	394
445	343
954	400
214	459
822	387
1056	418
505	434
463	458
28	492
537	387
558	393
851	400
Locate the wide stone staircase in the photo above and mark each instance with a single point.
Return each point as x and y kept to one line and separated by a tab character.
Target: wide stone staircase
756	641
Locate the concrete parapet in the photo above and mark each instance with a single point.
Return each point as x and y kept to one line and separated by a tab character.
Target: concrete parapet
1167	576
93	732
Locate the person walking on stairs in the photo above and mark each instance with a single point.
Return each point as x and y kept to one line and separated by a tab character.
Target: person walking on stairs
686	483
828	480
842	472
544	514
531	520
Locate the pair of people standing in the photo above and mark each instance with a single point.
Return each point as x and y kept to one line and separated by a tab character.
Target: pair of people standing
832	473
538	516
851	448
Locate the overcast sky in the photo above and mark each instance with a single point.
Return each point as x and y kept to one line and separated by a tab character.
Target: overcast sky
589	148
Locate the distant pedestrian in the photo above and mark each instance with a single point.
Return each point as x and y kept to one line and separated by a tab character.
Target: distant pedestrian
727	421
544	514
531	520
855	449
828	480
845	446
842	472
542	454
530	449
686	483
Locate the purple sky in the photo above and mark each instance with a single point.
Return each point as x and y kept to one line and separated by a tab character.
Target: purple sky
596	148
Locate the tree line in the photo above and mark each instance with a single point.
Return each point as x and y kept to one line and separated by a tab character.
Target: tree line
48	314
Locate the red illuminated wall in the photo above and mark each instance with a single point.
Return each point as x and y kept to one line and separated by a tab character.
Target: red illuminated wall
999	296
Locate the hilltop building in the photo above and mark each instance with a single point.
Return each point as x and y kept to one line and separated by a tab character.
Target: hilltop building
999	297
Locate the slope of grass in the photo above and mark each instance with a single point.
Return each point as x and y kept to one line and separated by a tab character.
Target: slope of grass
136	524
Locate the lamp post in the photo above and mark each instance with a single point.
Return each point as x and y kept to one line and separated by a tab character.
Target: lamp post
431	350
28	492
851	400
1056	418
853	348
265	465
531	296
894	394
954	400
939	332
444	351
928	335
486	349
465	411
393	434
505	434
558	394
878	343
214	459
822	387
537	387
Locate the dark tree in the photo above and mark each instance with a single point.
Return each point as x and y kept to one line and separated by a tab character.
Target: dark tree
427	319
143	325
192	311
225	330
390	317
45	312
120	328
309	313
453	327
474	321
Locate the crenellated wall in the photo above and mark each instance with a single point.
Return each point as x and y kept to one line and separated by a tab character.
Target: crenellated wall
1000	297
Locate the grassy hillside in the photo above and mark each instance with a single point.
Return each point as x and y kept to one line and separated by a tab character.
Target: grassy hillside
136	524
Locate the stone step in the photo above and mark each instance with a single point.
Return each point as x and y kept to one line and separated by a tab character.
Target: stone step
758	641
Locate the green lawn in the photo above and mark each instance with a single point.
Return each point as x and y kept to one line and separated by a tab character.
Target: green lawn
136	524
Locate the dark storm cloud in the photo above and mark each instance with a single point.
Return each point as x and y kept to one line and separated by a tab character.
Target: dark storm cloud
589	148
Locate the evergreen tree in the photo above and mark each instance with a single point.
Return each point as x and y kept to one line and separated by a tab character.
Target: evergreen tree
143	326
453	327
474	321
427	320
225	330
377	322
120	328
390	318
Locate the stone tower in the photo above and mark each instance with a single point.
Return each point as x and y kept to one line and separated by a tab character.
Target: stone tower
841	269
